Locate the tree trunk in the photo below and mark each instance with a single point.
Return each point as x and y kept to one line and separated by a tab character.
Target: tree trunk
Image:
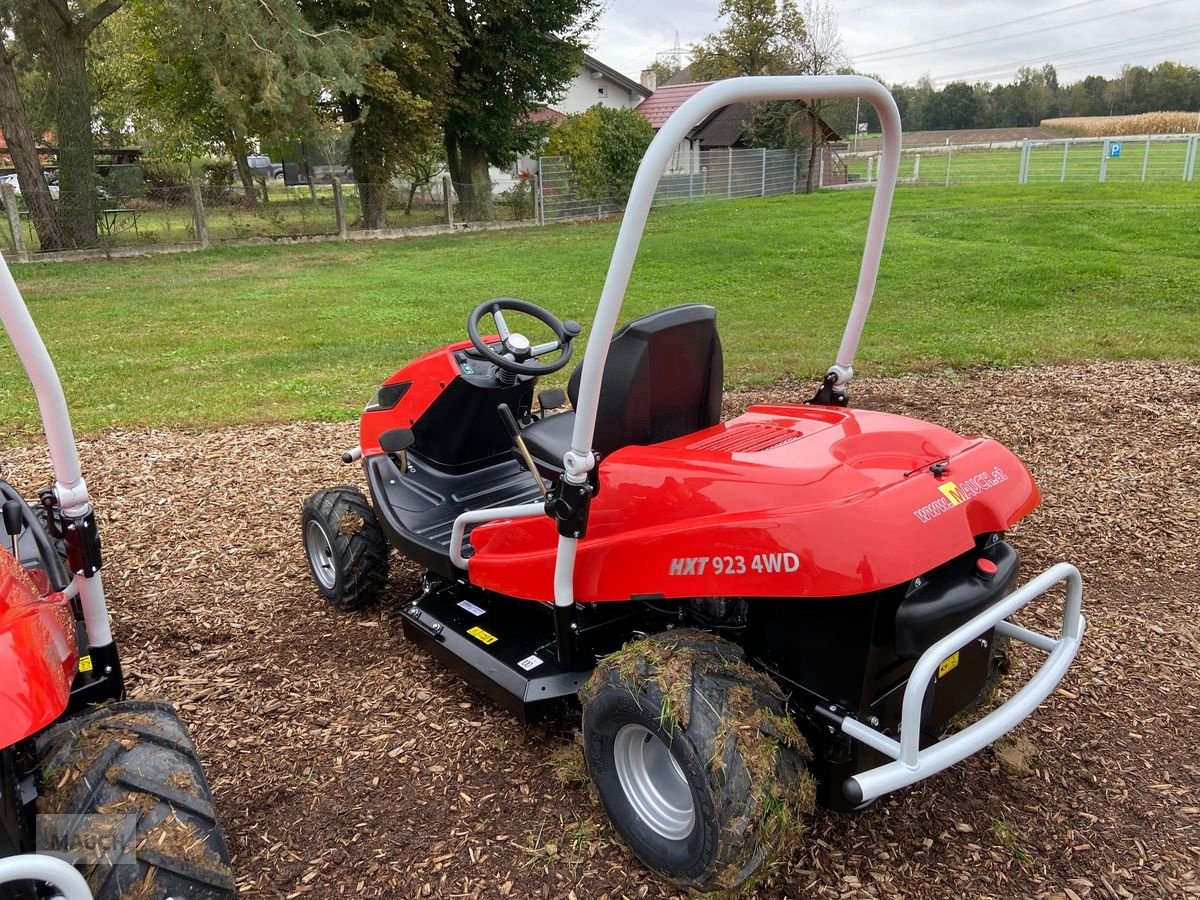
371	172
239	149
66	63
23	150
412	192
468	166
814	118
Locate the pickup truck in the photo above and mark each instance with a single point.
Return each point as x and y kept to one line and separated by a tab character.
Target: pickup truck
261	164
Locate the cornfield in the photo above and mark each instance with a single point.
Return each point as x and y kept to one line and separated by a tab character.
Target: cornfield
1142	123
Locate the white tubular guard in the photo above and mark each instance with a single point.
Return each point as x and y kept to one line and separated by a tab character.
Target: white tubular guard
476	516
59	874
913	764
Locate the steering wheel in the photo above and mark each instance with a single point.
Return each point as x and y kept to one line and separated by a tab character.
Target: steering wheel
518	356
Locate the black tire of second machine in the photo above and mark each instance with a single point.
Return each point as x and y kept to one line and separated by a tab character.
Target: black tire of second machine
124	784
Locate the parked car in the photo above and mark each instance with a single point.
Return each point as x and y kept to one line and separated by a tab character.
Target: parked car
12	181
261	164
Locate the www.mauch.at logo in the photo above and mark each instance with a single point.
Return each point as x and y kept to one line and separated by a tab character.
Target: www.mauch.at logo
953	494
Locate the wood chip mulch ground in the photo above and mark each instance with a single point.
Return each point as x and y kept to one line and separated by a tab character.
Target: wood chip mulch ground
346	764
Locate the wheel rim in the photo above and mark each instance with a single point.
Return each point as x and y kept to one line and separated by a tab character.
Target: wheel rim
320	555
654	784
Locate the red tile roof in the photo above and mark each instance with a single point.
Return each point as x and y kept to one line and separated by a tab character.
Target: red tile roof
546	114
658	107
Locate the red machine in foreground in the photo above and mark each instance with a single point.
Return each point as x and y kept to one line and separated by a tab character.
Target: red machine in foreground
100	797
793	605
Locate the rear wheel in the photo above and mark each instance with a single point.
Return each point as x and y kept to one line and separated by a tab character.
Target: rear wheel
123	793
347	552
697	762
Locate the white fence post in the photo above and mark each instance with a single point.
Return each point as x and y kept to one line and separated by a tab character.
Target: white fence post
870	167
795	170
916	168
1104	161
821	170
1146	158
763	188
729	184
949	155
1023	162
1189	162
1066	149
541	195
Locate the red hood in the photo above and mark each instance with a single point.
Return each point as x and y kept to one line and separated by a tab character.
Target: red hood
793	500
37	654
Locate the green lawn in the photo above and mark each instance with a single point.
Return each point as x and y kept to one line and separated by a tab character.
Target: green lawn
971	276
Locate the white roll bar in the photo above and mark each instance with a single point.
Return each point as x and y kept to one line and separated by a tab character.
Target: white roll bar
579	459
69	485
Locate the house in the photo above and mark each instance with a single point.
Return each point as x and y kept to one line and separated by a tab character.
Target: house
598	83
722	130
593	83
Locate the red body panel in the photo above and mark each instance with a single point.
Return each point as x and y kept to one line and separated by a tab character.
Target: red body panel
429	375
37	654
783	501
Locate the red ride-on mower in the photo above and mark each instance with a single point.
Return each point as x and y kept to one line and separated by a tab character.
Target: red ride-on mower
793	605
100	797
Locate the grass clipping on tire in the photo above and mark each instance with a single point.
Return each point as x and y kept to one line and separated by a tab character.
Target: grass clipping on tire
753	725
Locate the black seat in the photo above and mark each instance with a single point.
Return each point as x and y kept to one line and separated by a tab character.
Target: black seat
663	379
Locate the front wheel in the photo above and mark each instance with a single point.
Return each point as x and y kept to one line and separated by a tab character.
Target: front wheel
695	758
347	552
122	792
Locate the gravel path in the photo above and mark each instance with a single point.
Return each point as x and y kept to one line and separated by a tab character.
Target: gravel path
346	764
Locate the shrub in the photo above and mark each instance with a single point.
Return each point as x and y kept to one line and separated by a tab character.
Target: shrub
605	147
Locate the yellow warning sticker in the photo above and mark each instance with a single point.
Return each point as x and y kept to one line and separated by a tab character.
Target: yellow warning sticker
483	637
85	664
948	664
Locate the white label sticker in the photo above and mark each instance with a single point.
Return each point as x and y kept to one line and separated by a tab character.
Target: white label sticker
471	608
530	662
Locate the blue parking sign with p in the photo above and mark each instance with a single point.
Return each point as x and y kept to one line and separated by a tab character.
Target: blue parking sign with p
1114	150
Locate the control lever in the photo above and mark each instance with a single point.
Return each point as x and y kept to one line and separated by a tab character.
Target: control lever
514	432
14	523
395	443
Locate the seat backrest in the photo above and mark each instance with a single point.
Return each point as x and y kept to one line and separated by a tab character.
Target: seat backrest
662	379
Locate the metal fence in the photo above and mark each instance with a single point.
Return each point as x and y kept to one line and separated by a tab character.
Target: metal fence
724	174
143	216
1079	160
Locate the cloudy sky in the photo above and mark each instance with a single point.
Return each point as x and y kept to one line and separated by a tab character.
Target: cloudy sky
970	40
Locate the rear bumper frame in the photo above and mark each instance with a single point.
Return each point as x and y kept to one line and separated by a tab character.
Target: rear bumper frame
912	764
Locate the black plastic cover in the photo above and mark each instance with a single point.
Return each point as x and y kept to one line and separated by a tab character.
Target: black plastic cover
950	596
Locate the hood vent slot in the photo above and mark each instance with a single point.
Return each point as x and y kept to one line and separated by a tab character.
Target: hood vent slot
747	439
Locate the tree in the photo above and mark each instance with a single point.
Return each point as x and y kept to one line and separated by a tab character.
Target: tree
663	71
419	162
955	106
402	93
760	38
819	52
226	71
23	150
58	32
772	37
510	60
606	147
